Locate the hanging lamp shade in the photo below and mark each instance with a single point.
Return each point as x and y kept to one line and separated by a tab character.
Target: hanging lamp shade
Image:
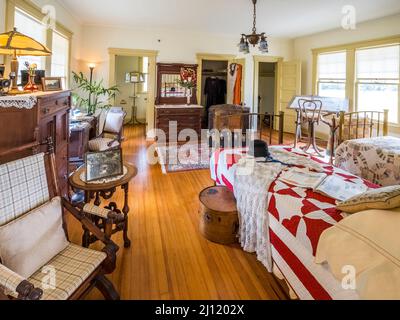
16	43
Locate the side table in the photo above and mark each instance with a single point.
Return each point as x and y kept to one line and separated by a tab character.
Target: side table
105	191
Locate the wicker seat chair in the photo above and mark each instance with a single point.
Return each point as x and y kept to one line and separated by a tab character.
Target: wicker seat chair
28	201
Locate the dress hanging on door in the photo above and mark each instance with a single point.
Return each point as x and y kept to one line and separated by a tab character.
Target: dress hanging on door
235	83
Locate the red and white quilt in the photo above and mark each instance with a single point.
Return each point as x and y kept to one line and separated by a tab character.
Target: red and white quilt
297	218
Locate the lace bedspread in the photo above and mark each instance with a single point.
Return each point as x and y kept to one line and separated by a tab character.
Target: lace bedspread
252	182
375	159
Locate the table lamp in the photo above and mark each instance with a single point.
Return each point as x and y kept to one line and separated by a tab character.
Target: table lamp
17	44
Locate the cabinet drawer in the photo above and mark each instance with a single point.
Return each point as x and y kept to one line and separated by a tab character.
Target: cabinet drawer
178	118
51	106
178	111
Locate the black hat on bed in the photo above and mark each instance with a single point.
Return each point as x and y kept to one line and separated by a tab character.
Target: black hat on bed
259	149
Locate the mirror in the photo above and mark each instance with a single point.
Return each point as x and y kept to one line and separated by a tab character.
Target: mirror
170	86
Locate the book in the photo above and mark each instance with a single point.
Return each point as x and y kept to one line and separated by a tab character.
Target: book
302	178
339	189
331	186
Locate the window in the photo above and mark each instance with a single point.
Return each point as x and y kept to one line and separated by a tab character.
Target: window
60	57
34	29
332	75
367	73
378	80
145	70
27	21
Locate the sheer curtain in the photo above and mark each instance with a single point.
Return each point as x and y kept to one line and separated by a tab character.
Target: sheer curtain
34	29
378	80
60	57
332	75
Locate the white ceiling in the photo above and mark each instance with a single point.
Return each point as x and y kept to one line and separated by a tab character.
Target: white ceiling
278	18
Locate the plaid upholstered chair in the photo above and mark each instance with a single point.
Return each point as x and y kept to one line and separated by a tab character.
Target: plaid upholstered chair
37	260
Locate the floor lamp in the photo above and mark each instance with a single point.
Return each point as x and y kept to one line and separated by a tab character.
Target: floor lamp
135	78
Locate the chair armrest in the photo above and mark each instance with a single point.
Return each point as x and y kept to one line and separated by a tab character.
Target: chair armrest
103	213
110	248
17	285
88	224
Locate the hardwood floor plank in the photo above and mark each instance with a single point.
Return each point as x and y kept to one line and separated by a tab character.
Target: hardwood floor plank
169	259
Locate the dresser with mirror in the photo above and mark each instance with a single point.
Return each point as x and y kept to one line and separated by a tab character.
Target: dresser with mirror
172	102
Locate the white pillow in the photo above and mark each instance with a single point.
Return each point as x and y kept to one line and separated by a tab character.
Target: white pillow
29	242
114	122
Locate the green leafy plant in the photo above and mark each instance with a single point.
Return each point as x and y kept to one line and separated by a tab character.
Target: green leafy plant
95	94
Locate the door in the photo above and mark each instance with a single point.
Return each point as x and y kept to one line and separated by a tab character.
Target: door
290	86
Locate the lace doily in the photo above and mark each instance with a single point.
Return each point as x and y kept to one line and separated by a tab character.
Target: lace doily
20	102
106	180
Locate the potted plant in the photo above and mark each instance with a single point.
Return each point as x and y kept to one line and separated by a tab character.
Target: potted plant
96	95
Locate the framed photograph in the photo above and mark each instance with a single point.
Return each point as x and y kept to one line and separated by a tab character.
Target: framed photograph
102	165
52	84
134	77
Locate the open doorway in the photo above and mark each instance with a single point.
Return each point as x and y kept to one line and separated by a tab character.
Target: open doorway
266	87
131	77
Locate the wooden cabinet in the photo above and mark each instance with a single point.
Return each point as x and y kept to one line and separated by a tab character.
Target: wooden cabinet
186	117
48	118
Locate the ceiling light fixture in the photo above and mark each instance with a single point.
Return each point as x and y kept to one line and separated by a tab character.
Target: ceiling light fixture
254	38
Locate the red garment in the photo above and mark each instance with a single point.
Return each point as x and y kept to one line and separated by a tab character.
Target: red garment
237	94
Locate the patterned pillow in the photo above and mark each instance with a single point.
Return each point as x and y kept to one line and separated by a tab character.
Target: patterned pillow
383	198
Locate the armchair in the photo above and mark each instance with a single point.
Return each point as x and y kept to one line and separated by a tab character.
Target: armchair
111	133
24	191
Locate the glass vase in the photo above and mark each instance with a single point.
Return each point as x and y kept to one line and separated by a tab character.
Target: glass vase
188	96
31	85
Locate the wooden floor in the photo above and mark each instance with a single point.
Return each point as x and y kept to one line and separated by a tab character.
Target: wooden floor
169	259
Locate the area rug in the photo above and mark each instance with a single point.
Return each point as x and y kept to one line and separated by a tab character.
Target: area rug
176	158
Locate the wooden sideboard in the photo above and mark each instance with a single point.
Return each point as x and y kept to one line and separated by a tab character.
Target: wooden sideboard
48	118
187	117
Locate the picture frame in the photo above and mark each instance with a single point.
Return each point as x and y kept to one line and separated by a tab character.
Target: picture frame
52	83
103	164
134	77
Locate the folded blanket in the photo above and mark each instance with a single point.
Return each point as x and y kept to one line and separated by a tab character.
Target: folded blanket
366	244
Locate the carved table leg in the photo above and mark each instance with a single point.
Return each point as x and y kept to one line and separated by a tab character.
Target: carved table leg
97	201
86	233
125	211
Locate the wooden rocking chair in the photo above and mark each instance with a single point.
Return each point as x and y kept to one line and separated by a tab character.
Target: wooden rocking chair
24	191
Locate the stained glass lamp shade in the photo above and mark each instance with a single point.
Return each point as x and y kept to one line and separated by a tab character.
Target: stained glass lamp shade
17	44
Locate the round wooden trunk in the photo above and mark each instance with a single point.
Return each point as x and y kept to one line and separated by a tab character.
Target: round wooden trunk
219	220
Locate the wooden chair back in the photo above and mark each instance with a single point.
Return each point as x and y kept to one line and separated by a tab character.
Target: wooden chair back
110	129
310	110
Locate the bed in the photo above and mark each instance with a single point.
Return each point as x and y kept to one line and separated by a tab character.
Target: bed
374	159
297	218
